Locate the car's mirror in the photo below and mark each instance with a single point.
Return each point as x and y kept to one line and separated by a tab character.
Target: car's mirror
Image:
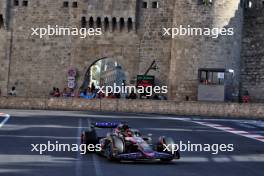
150	135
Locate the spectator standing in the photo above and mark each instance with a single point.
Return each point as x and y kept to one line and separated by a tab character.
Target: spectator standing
100	95
132	95
66	93
57	93
72	94
88	95
93	88
246	97
13	91
52	92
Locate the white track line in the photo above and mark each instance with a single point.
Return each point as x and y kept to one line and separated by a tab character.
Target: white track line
7	116
232	130
78	164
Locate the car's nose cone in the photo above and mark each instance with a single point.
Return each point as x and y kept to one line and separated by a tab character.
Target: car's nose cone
149	155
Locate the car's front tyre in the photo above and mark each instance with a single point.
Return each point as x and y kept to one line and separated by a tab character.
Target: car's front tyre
113	148
167	141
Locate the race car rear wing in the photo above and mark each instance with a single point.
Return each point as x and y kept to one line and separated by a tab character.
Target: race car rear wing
106	124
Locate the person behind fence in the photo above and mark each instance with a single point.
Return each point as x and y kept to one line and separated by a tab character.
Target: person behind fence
52	92
13	91
72	93
100	95
67	92
132	95
246	97
57	93
88	94
93	87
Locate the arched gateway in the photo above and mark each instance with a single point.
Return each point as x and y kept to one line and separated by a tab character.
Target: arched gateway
105	71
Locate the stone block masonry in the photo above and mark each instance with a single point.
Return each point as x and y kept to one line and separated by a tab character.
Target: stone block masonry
252	60
191	53
132	35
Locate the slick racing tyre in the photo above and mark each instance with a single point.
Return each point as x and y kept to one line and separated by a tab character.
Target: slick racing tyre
168	142
89	137
113	148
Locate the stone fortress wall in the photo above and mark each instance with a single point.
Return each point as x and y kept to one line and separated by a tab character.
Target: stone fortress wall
252	59
190	53
132	34
38	64
4	47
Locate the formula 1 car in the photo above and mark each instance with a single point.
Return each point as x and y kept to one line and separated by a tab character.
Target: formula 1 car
124	143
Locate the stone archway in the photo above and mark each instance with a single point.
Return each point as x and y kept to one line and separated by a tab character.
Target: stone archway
86	54
117	72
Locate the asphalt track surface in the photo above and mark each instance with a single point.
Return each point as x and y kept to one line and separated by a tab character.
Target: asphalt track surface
24	128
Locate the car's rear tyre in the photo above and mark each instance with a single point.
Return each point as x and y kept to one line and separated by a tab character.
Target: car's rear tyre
109	152
89	137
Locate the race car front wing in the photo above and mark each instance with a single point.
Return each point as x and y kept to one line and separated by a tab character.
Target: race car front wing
141	156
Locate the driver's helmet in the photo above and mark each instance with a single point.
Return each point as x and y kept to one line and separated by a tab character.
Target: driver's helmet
123	127
128	133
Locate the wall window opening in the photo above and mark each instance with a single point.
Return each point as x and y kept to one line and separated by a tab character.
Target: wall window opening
114	24
74	4
155	5
16	2
98	22
122	24
65	4
129	24
212	76
207	2
83	22
248	4
1	21
91	22
106	24
25	3
144	5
